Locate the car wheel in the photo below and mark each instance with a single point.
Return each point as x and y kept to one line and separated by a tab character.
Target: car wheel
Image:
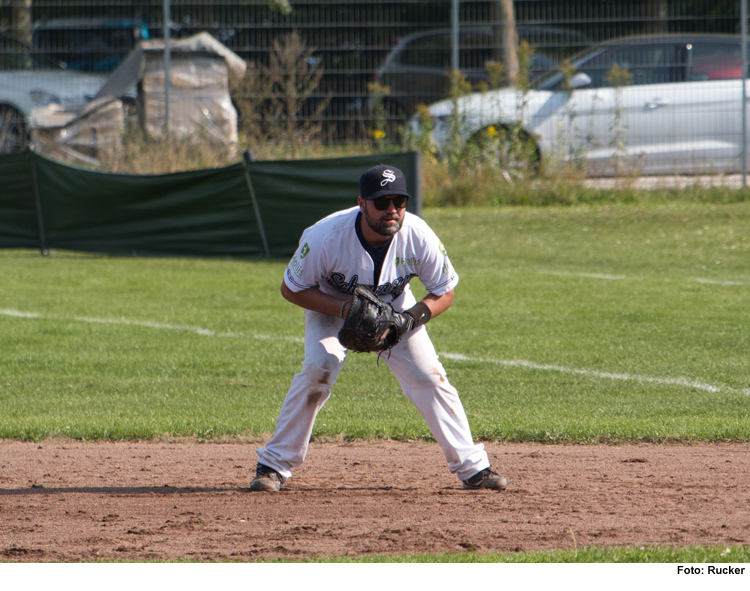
13	134
513	149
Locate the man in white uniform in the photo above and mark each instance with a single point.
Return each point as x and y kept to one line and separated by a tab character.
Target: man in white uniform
380	245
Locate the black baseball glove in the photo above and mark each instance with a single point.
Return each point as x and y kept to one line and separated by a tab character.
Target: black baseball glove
372	324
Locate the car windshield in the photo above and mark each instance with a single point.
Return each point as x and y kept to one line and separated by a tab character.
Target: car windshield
554	76
657	61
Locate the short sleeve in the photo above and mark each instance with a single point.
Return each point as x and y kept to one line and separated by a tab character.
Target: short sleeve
437	273
305	269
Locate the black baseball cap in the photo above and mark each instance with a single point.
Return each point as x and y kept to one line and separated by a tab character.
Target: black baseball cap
382	180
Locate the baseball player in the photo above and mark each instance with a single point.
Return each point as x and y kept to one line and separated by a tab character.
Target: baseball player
376	244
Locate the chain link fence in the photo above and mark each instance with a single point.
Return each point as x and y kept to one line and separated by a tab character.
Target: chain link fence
359	69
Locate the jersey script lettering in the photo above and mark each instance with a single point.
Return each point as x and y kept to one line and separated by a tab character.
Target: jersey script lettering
393	288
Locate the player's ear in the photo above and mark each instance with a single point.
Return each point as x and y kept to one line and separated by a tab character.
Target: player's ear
361	203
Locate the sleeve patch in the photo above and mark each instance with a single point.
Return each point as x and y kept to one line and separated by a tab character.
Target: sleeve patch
296	267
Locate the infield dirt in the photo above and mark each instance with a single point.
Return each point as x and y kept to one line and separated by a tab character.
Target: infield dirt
81	502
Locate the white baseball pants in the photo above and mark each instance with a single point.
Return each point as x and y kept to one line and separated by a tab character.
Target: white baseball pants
415	364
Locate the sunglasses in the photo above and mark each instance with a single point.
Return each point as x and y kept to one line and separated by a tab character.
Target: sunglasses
382	203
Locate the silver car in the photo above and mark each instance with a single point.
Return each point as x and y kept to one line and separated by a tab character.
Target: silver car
32	86
676	108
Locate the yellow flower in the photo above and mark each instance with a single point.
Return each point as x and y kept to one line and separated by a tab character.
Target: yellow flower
378	134
491	130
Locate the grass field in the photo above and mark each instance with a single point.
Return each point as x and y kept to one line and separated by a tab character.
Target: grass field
570	324
585	555
576	324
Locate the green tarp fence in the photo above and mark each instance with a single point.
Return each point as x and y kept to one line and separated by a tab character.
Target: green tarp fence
248	208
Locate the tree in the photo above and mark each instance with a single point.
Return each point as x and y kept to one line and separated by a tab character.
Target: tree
21	26
661	10
505	37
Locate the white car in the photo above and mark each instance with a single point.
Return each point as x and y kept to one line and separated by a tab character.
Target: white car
680	110
30	86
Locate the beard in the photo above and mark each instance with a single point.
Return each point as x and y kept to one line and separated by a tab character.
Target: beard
381	226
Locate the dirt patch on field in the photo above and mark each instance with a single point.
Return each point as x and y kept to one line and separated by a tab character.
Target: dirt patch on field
68	502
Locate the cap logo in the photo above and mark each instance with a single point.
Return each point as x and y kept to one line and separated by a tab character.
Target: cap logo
388	177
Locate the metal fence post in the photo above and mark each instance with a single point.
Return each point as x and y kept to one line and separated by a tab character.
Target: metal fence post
246	159
743	53
38	203
167	59
455	37
415	163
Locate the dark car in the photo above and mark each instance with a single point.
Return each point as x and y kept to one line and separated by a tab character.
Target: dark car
415	70
89	45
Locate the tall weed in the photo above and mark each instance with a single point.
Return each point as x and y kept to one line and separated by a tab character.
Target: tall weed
295	76
379	126
488	187
142	155
617	78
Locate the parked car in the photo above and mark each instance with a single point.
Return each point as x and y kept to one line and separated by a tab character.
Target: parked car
678	109
415	70
88	44
30	81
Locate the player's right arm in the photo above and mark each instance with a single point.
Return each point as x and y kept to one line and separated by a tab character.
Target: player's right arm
310	265
316	300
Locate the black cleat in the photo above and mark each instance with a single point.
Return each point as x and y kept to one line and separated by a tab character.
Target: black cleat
266	479
487	478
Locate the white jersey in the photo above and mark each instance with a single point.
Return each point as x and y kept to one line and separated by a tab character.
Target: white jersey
331	257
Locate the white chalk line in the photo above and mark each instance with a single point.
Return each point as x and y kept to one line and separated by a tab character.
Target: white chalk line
585	275
687	382
453	356
716	282
18	314
158	325
607	277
